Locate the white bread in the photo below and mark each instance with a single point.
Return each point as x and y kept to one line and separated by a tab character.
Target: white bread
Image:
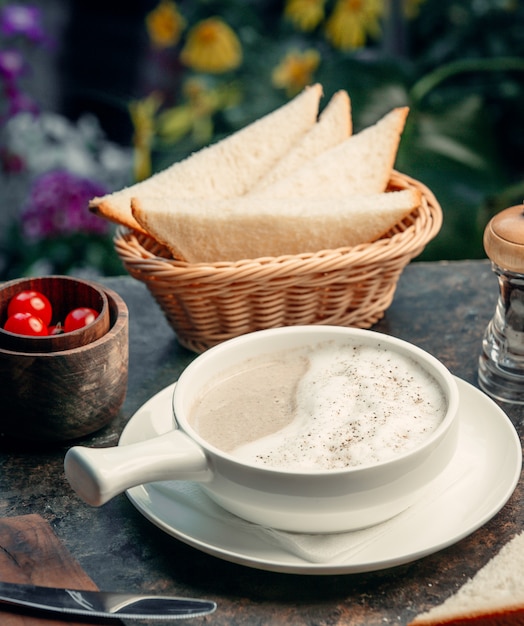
494	596
360	164
333	127
228	168
197	231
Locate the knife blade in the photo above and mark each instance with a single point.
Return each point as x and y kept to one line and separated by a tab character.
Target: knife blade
103	603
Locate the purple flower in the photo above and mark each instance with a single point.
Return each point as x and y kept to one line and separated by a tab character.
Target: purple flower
20	102
22	19
58	205
17	101
12	64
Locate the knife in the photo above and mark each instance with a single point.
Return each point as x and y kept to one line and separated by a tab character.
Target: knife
103	603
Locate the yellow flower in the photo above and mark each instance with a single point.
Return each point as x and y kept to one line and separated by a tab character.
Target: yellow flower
176	122
212	47
195	114
352	21
142	114
296	71
305	14
165	24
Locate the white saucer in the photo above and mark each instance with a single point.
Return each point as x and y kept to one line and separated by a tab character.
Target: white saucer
488	465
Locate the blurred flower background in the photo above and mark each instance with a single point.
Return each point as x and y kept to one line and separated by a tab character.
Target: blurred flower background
97	95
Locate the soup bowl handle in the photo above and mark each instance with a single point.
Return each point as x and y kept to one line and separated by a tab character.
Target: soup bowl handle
99	474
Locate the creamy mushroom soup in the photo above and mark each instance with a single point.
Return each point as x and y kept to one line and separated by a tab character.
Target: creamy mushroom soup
320	408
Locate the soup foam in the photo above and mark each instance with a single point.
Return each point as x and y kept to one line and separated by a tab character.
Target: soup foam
321	408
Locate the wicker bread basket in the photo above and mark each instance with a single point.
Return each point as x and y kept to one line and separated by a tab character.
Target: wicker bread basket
206	303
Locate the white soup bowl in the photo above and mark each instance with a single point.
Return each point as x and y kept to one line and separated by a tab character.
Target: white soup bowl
309	501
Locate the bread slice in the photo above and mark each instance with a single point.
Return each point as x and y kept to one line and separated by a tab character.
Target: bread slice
225	169
333	127
360	164
493	597
250	227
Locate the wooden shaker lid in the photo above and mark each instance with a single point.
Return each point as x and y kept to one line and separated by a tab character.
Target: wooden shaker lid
504	239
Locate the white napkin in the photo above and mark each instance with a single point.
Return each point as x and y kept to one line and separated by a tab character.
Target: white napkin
327	548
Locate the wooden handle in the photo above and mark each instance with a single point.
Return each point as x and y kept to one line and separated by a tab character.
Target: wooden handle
32	554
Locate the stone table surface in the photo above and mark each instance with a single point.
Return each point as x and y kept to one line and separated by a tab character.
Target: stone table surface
442	307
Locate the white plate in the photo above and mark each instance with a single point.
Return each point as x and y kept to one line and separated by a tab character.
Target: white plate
485	471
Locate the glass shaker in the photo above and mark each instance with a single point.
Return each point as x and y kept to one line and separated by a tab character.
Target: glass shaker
501	363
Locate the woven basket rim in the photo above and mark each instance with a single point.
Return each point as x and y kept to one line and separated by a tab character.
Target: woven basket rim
402	240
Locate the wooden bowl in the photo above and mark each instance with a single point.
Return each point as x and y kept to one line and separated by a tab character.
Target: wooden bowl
65	294
54	396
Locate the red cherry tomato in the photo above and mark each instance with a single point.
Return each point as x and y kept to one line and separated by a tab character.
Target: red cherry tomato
26	324
30	301
78	318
